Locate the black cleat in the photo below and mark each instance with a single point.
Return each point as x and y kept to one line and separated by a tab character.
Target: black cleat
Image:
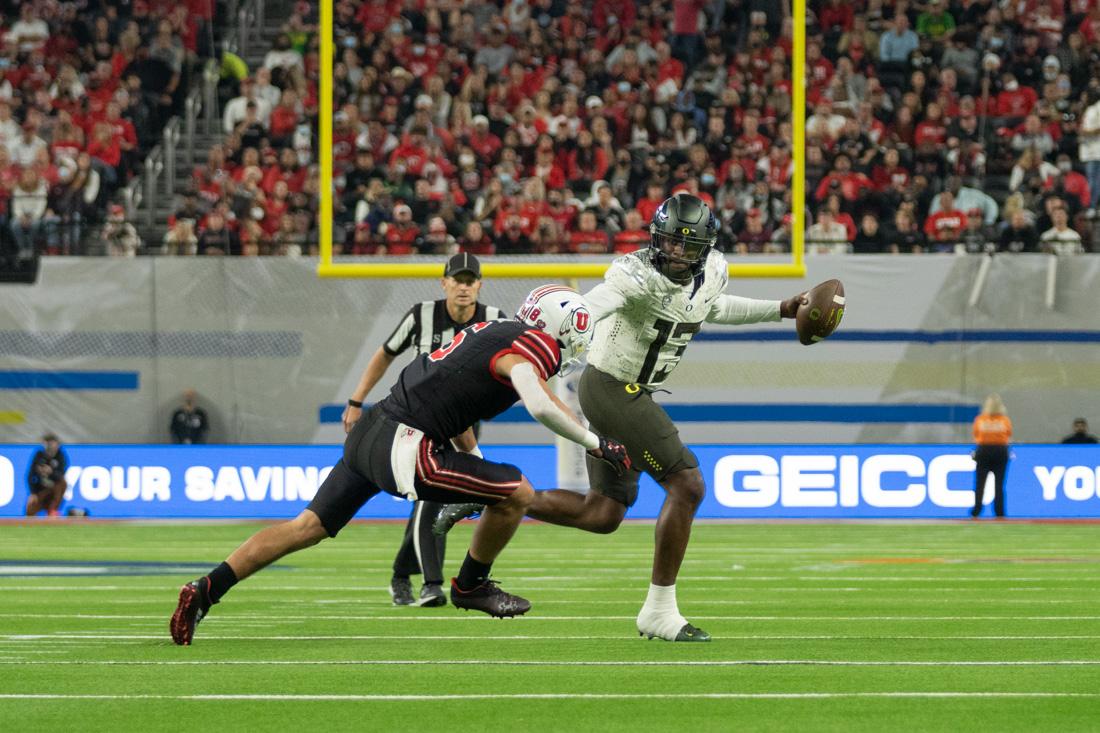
692	633
194	604
401	591
687	632
452	514
488	598
431	595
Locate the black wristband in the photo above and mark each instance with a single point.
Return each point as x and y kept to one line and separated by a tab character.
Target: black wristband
355	403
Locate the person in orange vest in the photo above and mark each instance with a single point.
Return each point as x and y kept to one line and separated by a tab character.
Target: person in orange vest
992	432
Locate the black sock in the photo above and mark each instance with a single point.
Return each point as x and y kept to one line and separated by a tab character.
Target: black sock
221	578
472	573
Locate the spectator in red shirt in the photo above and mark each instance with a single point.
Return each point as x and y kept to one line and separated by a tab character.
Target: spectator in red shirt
754	143
586	163
756	236
1073	183
411	155
546	165
1015	101
835	17
560	211
513	240
947	224
654	195
484	143
890	174
104	147
285	118
588	238
401	235
686	40
475	240
931	131
634	236
843	180
668	67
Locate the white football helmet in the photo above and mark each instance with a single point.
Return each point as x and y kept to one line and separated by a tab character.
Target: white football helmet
563	313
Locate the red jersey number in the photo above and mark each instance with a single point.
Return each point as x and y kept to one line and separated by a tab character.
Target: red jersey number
441	353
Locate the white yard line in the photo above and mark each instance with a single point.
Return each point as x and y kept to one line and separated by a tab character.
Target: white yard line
76	639
555	696
559	663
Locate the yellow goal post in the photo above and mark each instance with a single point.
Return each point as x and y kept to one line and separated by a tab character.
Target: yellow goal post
328	267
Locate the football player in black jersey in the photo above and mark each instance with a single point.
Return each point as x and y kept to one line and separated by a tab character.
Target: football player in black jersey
425	327
417	443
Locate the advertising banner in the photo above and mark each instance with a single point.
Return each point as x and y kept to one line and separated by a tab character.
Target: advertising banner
743	481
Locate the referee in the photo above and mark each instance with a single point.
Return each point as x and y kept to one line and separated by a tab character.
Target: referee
426	327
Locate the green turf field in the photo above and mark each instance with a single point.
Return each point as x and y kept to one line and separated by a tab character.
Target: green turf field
848	627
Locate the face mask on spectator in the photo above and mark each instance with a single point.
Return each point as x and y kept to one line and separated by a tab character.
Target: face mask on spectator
707	179
1012	85
1065	166
466	160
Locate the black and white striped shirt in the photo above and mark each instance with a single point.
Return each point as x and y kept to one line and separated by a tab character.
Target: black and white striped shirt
428	326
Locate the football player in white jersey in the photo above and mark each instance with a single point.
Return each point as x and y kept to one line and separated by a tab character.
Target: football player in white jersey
647	309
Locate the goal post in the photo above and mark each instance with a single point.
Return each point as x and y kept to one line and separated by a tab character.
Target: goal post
329	267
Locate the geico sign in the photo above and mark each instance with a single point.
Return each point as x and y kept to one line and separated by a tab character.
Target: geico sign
755	481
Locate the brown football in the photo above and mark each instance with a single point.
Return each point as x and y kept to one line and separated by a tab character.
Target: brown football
817	319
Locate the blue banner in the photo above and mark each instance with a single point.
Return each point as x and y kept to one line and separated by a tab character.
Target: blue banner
743	481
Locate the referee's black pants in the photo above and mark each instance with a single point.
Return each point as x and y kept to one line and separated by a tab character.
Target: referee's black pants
991	459
421	551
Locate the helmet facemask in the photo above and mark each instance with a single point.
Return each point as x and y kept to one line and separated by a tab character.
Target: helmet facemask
678	257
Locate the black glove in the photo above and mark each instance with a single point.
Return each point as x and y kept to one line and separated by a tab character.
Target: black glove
613	454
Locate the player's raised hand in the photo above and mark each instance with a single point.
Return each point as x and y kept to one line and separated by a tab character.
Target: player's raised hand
612	453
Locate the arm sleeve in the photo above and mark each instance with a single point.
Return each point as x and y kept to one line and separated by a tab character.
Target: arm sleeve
604	299
735	310
402	336
530	389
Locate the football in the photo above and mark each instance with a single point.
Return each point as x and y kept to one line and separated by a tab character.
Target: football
818	318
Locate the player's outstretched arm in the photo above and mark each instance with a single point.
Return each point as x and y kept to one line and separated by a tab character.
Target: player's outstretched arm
545	407
735	310
376	367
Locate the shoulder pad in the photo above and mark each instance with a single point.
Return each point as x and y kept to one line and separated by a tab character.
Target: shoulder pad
716	269
631	275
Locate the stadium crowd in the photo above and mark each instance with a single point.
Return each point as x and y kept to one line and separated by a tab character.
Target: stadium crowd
85	89
543	126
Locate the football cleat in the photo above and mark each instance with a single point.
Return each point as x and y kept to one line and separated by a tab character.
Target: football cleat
488	598
194	604
401	591
431	595
688	633
670	627
452	514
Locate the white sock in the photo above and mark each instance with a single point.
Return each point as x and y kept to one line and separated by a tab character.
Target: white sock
660	615
661	599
